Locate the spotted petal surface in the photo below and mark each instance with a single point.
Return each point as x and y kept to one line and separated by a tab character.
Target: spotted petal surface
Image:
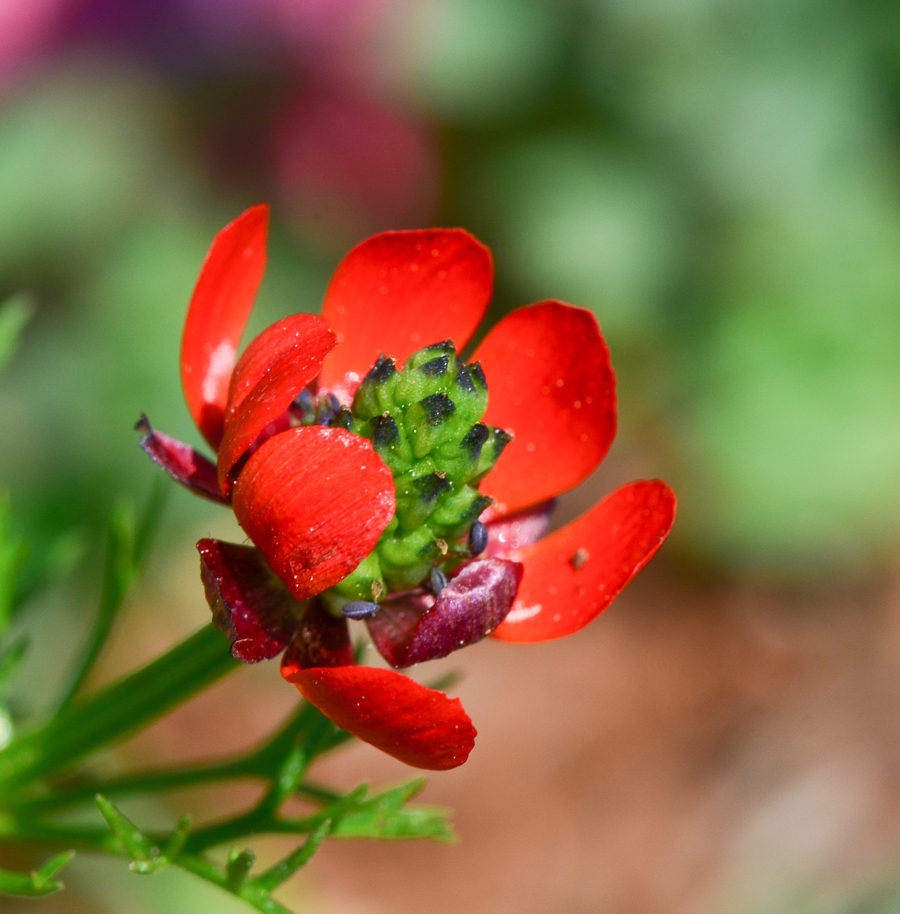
400	291
572	575
551	385
276	366
314	500
417	725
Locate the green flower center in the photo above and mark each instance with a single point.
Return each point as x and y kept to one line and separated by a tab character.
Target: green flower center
424	421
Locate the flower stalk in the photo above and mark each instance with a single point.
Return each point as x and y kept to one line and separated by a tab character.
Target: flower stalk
119	710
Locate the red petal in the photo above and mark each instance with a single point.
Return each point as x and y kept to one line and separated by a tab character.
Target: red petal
575	573
248	602
315	501
275	367
181	462
220	306
550	383
400	291
419	726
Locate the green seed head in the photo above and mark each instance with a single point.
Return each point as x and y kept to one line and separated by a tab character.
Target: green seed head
424	421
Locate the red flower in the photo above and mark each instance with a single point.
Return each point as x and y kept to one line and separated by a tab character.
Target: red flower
316	499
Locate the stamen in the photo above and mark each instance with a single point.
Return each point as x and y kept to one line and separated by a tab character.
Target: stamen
437	580
478	538
328	408
343	419
359	609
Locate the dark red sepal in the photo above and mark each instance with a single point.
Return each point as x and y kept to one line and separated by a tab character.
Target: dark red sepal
417	627
321	640
417	725
248	602
391	628
181	462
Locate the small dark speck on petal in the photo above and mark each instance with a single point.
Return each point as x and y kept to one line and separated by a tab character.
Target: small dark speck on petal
580	558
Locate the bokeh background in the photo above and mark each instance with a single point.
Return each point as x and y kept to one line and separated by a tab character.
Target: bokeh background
719	180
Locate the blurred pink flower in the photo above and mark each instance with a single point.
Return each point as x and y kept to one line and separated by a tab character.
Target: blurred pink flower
26	27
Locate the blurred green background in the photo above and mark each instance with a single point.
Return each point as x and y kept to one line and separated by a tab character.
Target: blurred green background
718	180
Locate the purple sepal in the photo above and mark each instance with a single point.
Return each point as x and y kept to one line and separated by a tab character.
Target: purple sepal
181	462
248	602
416	627
518	530
321	640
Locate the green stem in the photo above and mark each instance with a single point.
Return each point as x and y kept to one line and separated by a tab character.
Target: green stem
117	710
143	782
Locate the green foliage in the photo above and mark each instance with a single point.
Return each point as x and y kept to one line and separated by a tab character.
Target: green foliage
14	315
38	781
13	553
128	543
37	882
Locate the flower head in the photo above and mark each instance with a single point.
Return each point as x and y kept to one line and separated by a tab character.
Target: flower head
383	477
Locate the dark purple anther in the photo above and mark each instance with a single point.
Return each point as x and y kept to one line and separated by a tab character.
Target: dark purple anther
328	408
416	627
304	402
359	609
478	538
437	580
343	419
